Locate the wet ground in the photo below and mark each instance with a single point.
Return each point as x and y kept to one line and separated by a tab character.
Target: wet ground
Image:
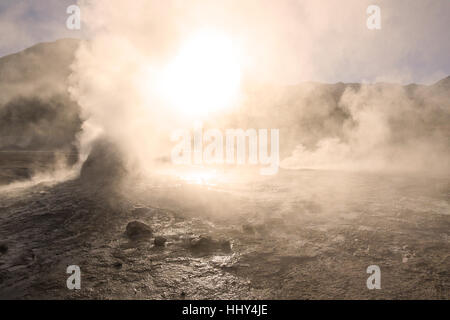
299	235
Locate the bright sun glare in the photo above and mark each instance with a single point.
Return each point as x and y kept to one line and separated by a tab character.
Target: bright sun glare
204	76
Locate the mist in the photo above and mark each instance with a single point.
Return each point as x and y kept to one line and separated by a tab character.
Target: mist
371	127
380	127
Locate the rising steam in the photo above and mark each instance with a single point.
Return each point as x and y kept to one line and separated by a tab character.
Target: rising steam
381	127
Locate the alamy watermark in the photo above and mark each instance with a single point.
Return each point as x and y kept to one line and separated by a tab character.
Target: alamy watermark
374	281
74	280
73	22
374	19
214	147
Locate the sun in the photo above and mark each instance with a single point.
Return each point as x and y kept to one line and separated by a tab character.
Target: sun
204	76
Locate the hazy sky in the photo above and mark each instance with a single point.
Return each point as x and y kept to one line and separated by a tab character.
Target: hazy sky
24	23
296	40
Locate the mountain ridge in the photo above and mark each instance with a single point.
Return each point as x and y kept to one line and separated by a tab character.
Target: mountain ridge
37	112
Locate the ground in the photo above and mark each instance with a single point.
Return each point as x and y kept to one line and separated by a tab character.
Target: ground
281	247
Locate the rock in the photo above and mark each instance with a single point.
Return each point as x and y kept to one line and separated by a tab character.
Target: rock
3	248
117	265
138	230
205	243
160	241
104	165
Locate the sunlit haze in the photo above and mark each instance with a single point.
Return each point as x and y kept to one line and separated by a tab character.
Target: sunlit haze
204	75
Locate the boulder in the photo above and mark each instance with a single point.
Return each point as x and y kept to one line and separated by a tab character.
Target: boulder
206	243
160	241
138	230
104	165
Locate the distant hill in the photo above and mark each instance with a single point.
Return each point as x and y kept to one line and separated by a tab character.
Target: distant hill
36	112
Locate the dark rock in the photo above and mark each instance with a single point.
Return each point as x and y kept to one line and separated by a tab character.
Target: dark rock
138	230
104	164
117	265
3	248
160	241
205	243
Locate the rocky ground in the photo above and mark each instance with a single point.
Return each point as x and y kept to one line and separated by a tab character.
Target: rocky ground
189	251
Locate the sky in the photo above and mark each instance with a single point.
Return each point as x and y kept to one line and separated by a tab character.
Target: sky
24	23
288	41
